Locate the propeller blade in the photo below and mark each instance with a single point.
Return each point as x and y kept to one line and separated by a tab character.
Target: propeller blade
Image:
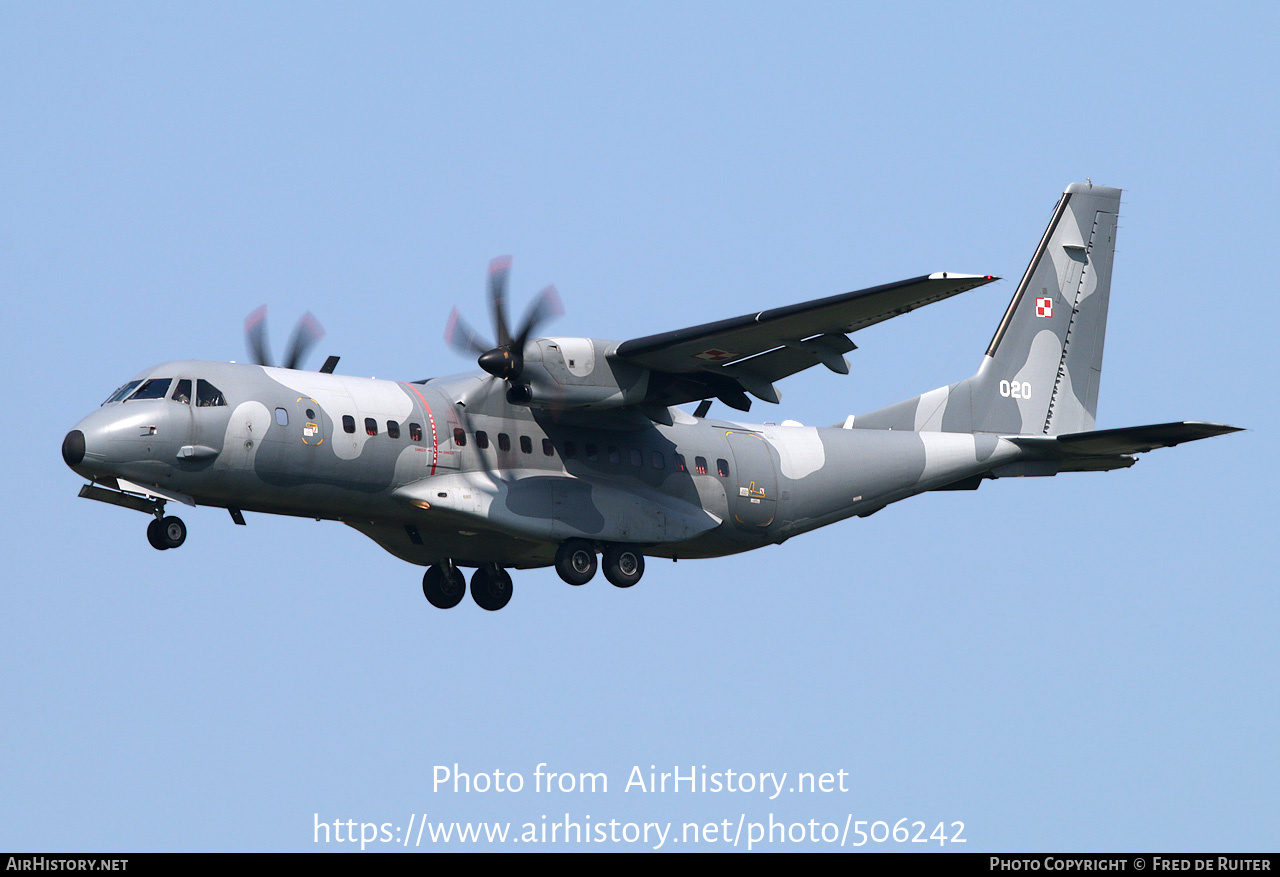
547	306
255	336
498	270
506	360
305	335
459	335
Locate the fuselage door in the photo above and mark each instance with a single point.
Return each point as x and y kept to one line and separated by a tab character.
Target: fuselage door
753	484
309	428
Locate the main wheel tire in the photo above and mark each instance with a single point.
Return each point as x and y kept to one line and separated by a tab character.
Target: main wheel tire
173	531
444	586
491	587
155	535
623	565
576	561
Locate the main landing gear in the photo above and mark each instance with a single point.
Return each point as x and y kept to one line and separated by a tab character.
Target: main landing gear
576	563
444	585
166	532
491	587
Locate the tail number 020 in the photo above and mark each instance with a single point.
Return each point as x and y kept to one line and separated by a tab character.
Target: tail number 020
1015	389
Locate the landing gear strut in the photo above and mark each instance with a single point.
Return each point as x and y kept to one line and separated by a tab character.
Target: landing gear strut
491	587
576	561
444	586
166	532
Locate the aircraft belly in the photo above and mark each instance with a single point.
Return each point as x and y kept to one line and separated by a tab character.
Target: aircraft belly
534	505
467	548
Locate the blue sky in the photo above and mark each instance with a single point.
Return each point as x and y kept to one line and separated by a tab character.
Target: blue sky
1086	662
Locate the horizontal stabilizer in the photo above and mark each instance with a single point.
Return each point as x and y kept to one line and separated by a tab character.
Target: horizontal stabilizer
1123	441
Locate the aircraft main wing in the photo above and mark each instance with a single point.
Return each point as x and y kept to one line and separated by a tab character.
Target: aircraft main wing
750	352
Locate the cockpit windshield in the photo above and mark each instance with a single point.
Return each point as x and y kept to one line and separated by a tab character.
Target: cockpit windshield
122	392
156	388
207	395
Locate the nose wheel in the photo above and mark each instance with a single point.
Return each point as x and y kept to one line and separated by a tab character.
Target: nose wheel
166	532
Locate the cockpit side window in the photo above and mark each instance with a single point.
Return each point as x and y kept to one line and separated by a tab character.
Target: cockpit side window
156	388
182	393
207	395
122	392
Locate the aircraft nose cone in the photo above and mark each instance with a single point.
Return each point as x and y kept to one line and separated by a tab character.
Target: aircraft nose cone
73	448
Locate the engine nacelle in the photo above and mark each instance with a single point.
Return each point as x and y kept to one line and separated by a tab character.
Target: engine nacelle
576	373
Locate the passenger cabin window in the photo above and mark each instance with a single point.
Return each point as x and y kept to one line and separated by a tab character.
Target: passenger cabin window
348	423
637	458
482	439
614	456
722	466
282	417
548	449
460	437
659	460
570	450
182	392
679	463
526	445
415	432
593	452
393	429
208	396
700	465
156	388
122	392
370	426
504	442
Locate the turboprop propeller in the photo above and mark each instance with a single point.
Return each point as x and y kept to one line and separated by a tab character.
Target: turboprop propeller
305	335
505	360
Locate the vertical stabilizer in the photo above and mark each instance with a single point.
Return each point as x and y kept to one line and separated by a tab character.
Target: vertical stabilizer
1041	372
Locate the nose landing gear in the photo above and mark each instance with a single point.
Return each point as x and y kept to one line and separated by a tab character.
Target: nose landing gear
166	532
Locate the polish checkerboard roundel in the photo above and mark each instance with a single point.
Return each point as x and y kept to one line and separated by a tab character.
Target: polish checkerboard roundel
1044	307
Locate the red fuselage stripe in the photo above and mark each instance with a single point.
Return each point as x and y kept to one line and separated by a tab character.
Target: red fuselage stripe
435	442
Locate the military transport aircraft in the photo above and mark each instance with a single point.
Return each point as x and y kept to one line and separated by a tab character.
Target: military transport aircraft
565	448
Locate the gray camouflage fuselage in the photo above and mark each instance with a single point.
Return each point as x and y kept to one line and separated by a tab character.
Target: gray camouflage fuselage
508	506
448	471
